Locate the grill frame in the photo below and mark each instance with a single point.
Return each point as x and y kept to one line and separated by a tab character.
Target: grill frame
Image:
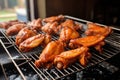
8	43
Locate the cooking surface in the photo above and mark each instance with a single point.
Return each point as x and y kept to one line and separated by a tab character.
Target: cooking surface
26	65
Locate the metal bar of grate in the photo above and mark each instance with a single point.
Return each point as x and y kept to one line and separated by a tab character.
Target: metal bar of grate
13	60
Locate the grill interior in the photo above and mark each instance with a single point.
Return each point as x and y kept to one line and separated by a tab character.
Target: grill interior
15	64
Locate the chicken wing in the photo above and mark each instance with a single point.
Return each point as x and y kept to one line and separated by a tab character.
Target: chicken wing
94	29
47	56
24	34
54	18
71	24
8	24
67	33
66	58
36	24
86	41
13	30
50	28
31	43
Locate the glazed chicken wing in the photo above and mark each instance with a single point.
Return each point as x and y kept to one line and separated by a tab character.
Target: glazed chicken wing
50	28
36	24
24	34
67	33
87	41
94	29
54	18
68	57
31	43
13	30
71	24
8	24
47	56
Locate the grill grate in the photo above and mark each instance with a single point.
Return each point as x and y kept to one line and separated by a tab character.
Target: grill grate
26	60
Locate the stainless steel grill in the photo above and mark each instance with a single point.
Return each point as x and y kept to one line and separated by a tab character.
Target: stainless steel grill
14	63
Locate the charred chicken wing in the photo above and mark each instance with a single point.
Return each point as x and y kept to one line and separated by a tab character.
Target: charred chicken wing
31	43
54	18
66	58
13	30
47	56
24	34
94	29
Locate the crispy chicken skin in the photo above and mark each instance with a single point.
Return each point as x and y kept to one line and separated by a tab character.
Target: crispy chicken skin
8	24
31	43
94	29
24	34
71	24
47	56
54	18
67	33
66	58
50	28
87	41
13	30
36	24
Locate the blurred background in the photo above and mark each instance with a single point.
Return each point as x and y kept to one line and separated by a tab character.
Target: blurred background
101	11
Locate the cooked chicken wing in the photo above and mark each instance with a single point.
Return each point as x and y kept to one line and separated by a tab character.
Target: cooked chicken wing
54	18
94	29
67	33
50	28
8	24
13	30
31	43
24	34
71	24
36	24
68	57
86	41
47	56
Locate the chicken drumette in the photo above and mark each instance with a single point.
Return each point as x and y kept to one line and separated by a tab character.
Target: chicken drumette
66	58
